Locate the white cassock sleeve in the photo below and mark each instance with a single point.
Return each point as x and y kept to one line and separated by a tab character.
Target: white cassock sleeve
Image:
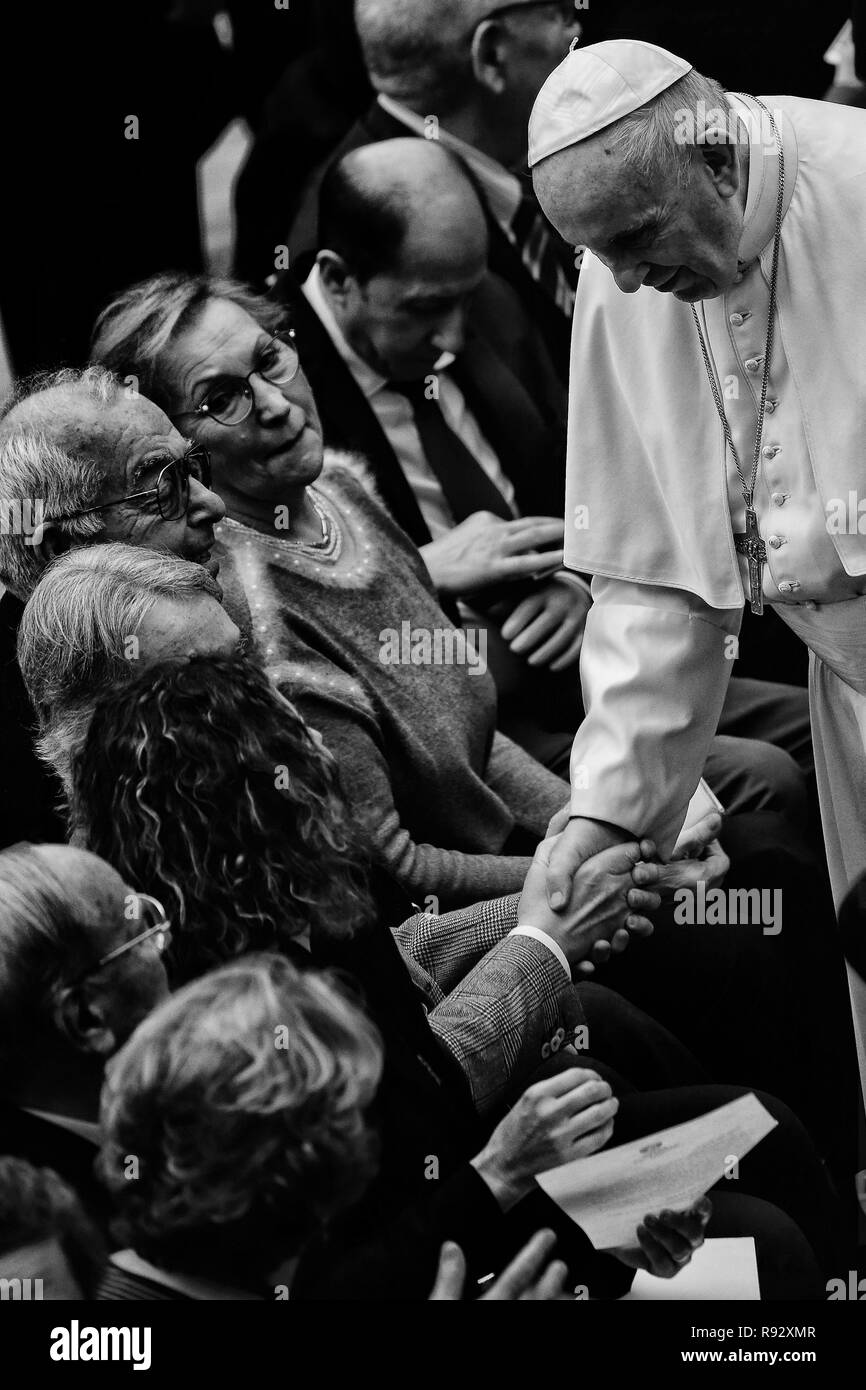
655	667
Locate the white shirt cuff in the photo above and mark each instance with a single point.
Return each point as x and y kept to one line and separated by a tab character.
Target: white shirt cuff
538	935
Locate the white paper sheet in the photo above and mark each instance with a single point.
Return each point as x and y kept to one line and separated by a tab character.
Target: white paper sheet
725	1269
609	1194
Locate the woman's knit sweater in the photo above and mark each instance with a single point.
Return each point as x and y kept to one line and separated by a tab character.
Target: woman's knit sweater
353	634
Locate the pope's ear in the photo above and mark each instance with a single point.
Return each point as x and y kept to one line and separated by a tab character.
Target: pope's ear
334	273
488	56
719	157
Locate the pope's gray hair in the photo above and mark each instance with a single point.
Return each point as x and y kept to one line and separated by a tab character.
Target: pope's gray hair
651	139
36	472
74	636
419	51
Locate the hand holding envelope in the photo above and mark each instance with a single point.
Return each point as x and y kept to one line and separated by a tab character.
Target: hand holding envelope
609	1194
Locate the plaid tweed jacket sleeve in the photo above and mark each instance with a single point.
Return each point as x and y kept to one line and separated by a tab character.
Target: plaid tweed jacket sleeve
500	1004
441	948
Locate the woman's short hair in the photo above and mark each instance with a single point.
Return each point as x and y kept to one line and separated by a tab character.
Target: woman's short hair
132	332
241	1101
203	784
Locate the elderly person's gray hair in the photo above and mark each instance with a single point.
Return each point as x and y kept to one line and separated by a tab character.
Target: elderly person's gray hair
39	480
77	633
420	51
133	331
43	946
659	136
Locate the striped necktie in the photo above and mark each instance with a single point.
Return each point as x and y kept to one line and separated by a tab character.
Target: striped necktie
549	261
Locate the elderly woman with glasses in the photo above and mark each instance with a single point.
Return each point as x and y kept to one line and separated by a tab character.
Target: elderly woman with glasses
80	966
343	609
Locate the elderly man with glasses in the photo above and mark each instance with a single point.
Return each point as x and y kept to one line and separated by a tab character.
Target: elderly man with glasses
84	459
80	967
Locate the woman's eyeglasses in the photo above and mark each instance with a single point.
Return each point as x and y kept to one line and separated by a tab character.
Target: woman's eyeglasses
171	493
229	399
159	931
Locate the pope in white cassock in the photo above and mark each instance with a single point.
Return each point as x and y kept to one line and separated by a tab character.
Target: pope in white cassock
717	431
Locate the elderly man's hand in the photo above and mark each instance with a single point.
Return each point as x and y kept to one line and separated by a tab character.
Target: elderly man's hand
484	551
667	1242
565	1116
546	628
697	857
605	905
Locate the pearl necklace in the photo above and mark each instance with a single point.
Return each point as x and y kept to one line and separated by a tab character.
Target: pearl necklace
329	548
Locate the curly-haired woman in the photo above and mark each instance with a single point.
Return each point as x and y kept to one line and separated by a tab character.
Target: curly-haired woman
202	781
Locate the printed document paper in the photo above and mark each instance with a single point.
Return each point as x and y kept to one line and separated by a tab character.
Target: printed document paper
610	1193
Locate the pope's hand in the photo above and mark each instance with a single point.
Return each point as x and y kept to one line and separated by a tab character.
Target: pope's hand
604	907
697	857
484	550
578	840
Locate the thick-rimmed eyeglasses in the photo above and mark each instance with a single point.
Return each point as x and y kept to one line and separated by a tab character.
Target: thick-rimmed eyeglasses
229	399
159	932
171	493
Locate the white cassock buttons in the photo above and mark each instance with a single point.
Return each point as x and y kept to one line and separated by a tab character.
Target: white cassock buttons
771	406
775	541
753	364
779	499
771	450
737	320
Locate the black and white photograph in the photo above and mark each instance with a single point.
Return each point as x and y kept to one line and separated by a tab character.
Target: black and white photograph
432	678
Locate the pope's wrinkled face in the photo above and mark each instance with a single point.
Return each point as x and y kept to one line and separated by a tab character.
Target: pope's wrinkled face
677	238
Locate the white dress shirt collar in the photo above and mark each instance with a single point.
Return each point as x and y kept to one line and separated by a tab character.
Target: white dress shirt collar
84	1129
501	188
759	219
370	381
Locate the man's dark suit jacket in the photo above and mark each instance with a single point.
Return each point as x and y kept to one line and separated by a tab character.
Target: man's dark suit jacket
517	402
504	259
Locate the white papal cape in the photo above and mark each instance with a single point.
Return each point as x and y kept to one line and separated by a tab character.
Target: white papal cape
653	498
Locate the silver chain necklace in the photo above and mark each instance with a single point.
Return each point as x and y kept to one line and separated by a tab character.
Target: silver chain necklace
750	542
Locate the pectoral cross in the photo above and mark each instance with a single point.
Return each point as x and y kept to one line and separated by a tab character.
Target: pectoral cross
750	544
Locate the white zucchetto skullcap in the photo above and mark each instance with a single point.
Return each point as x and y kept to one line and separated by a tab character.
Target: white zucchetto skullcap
593	87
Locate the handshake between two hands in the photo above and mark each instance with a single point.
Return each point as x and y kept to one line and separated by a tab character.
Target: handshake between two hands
590	888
